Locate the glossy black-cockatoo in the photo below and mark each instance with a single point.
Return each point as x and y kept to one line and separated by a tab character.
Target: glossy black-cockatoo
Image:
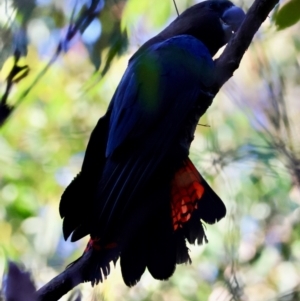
138	195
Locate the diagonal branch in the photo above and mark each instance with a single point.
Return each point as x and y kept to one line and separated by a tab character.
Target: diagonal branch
227	63
230	59
65	281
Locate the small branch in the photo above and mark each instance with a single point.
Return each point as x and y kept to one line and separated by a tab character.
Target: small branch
83	21
15	75
228	62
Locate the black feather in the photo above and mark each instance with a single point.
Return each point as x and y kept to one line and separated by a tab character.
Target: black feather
133	261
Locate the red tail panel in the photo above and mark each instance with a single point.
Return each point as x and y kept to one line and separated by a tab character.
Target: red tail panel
95	244
186	190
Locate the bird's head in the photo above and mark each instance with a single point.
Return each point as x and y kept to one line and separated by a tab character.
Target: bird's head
213	22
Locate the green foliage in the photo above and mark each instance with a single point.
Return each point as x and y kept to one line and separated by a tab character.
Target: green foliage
288	14
157	11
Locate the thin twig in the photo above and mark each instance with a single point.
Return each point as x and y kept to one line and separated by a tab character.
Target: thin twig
176	7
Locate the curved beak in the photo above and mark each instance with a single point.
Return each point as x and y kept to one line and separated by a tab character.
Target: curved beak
231	20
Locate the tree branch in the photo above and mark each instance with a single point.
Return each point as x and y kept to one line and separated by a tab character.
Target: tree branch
230	59
65	281
227	63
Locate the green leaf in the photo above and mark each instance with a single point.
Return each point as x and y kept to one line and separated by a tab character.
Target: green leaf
288	14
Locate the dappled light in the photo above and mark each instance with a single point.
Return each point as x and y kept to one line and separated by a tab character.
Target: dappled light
248	149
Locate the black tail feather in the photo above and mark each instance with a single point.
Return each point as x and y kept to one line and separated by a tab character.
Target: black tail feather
182	251
69	223
193	230
133	262
68	195
71	208
161	261
211	208
80	232
77	200
97	266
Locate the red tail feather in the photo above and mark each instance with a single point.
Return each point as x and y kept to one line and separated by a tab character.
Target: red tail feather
95	244
186	190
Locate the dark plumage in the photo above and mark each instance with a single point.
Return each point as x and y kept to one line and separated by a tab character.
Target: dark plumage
138	195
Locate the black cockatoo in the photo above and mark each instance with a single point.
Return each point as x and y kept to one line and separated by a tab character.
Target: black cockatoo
138	195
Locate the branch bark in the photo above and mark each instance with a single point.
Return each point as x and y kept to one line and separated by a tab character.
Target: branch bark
228	62
230	59
65	281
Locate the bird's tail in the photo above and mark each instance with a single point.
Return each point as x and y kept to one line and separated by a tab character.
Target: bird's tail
159	244
102	256
156	231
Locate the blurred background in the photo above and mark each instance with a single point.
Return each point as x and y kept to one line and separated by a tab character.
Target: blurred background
76	53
